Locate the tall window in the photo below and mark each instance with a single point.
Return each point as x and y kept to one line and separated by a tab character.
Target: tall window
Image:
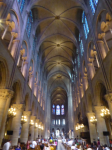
93	4
29	23
57	110
62	110
81	48
58	121
53	109
78	60
63	121
53	122
85	25
76	72
22	5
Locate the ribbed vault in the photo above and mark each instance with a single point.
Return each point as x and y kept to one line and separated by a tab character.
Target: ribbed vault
57	30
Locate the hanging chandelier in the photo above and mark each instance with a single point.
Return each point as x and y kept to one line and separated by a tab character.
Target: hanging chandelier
12	112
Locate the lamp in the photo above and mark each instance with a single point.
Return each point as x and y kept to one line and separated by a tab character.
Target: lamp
12	112
23	119
105	112
31	122
42	128
93	120
36	125
79	126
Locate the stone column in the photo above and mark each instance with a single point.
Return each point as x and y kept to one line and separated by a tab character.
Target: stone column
101	126
39	96
70	111
5	97
4	33
14	47
92	127
16	122
31	77
32	128
47	117
108	98
36	130
101	48
24	70
25	127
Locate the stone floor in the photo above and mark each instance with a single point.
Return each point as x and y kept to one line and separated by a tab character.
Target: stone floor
60	146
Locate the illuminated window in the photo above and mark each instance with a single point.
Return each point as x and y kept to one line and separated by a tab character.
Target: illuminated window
62	110
85	25
29	23
53	109
53	122
63	121
56	122
78	60
81	48
57	110
59	122
93	4
76	72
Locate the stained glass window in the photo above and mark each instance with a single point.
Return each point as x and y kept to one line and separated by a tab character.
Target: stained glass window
53	109
62	110
78	60
29	23
77	51
57	110
85	25
76	72
22	5
93	4
18	1
81	48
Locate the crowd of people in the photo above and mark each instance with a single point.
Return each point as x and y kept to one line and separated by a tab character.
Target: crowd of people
40	144
76	144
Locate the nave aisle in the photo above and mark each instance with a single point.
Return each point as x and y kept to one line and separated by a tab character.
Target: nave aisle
60	146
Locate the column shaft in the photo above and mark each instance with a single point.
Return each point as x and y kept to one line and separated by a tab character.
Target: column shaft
16	123
25	127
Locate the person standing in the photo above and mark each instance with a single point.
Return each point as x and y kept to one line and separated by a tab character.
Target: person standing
7	145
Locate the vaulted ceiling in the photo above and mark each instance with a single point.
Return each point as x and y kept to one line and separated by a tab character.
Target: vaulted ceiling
58	26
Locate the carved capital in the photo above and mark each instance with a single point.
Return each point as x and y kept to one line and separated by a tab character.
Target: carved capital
18	106
27	113
22	52
33	118
98	109
91	114
108	97
37	121
14	34
6	94
101	36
